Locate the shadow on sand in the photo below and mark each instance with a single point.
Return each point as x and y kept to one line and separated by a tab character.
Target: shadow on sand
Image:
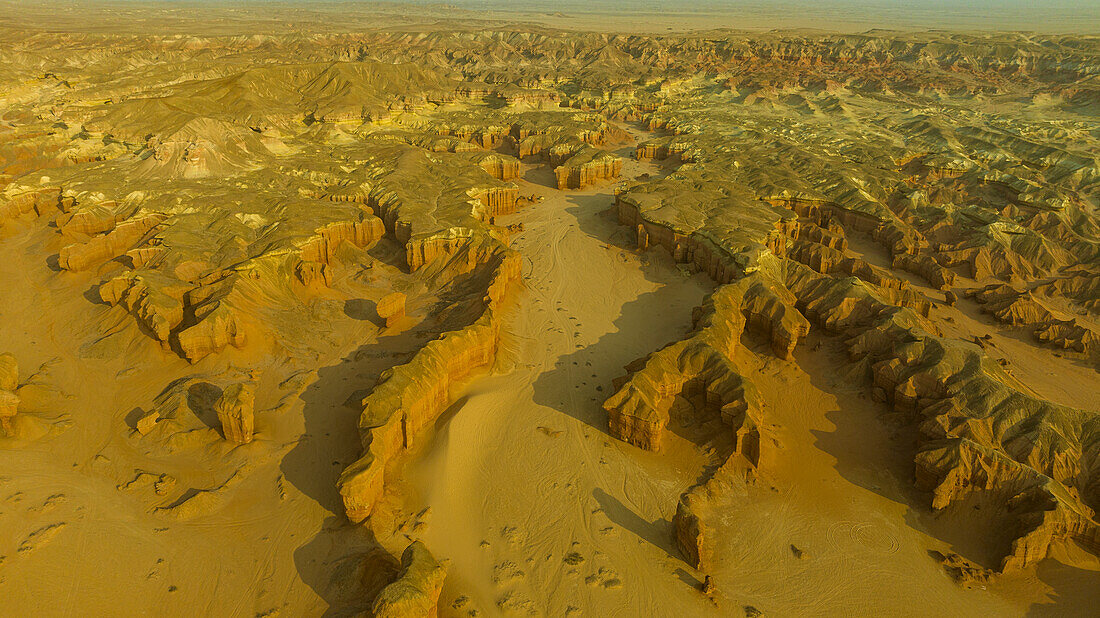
332	563
657	532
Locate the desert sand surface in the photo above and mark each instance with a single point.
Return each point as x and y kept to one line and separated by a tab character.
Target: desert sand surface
417	309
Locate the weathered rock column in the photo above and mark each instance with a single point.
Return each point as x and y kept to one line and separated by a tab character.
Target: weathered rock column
391	308
235	411
9	401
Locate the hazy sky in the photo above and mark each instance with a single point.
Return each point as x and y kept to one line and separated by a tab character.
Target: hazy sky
1079	16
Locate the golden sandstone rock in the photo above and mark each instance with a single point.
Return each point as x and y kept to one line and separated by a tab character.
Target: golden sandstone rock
586	168
9	407
391	308
9	372
217	328
415	594
80	256
806	174
409	397
147	423
235	411
9	401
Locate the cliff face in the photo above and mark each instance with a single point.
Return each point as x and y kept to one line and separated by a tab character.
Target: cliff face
499	166
9	401
98	249
587	168
1023	308
703	365
980	435
639	410
38	201
646	212
410	397
1034	459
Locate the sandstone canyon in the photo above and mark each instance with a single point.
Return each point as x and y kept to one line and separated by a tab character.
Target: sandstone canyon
357	309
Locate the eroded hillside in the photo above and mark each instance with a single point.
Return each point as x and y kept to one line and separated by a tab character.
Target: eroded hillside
380	322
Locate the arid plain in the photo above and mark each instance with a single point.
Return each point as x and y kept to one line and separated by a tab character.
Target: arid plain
393	310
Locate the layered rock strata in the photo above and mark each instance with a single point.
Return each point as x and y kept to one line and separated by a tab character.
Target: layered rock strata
235	408
409	397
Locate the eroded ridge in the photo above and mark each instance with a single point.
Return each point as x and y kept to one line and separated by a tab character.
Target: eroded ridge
254	272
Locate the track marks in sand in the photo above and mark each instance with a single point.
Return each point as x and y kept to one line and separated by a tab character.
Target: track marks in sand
41	537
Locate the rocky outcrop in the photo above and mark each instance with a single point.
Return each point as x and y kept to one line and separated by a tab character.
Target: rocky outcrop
638	412
701	368
9	407
1042	509
9	372
1080	285
415	594
235	411
979	435
317	253
391	308
89	217
154	298
410	397
98	249
499	166
927	267
33	200
699	511
587	168
826	260
310	273
1022	308
644	213
9	401
217	328
363	233
682	151
499	200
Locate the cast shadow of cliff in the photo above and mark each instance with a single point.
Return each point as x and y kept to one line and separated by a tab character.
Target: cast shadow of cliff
875	448
657	532
580	381
346	567
331	563
330	441
1074	589
538	172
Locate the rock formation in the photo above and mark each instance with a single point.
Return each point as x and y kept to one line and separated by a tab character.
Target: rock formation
415	594
587	167
81	256
9	401
409	397
639	410
1017	307
236	192
9	372
9	407
217	328
235	411
391	308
